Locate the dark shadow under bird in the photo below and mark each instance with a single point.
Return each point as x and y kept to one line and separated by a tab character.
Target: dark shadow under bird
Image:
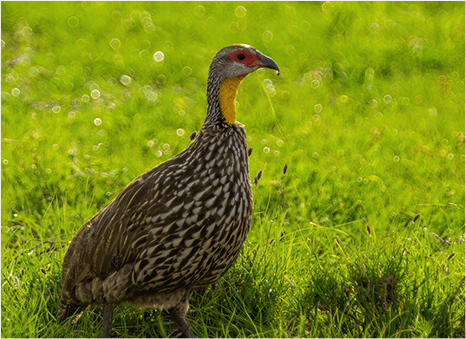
180	225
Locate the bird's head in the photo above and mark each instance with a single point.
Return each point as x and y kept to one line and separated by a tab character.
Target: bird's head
228	69
240	60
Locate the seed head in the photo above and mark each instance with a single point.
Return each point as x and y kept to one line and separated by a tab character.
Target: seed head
368	229
257	177
451	256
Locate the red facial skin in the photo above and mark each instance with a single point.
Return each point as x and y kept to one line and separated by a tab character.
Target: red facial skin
249	60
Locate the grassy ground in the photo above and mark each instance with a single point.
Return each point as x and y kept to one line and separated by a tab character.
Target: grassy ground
362	237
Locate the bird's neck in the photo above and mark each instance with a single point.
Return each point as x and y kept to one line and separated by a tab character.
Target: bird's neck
221	95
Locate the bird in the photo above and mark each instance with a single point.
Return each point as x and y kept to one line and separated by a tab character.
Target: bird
180	225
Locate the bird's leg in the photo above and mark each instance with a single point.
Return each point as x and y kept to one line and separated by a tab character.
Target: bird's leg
177	315
108	315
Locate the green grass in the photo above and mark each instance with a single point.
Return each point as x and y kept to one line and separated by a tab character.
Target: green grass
368	113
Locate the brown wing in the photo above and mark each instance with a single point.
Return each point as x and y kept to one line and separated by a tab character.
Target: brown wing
103	242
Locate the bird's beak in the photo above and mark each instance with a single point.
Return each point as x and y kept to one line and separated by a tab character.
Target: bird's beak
267	62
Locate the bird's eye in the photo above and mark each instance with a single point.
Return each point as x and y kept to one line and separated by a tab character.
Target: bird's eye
241	57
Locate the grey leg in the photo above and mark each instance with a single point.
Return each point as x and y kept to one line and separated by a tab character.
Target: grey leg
108	316
177	315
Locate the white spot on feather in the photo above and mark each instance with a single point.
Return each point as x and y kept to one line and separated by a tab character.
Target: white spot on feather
210	202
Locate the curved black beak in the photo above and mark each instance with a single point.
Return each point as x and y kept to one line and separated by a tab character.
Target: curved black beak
267	62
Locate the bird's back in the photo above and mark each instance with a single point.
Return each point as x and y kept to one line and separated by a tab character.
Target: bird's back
178	226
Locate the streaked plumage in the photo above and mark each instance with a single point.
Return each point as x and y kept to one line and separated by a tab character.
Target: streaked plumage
178	226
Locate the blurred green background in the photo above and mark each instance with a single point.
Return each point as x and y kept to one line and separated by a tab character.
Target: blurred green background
368	113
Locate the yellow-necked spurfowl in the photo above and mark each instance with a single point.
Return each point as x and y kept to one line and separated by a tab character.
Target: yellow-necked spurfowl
178	226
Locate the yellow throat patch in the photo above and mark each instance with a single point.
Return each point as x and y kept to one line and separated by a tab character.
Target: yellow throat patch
228	91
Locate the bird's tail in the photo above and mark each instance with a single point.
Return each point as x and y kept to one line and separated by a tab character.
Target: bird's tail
110	291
